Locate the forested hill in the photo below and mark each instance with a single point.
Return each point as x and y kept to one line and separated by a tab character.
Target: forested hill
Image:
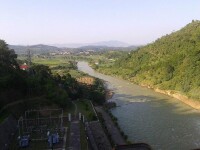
172	62
36	49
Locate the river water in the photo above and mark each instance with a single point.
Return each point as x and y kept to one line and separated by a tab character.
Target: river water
146	116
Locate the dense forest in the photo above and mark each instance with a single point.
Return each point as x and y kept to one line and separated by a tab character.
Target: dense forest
38	83
172	62
17	84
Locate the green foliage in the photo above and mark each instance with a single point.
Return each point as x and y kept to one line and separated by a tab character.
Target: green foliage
172	62
7	58
12	83
95	92
85	108
16	84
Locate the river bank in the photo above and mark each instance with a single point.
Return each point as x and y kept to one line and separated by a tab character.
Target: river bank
195	104
154	118
183	98
191	102
112	130
109	93
147	116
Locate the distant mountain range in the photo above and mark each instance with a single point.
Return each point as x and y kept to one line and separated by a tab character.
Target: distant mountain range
103	43
37	49
106	48
100	46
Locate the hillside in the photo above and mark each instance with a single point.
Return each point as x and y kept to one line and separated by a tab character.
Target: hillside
172	62
105	48
47	81
44	49
35	49
102	43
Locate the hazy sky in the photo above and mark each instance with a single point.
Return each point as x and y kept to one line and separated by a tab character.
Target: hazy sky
84	21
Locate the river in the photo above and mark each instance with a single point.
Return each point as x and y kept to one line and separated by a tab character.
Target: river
146	116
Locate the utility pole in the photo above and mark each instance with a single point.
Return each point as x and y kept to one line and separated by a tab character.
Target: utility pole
29	57
30	71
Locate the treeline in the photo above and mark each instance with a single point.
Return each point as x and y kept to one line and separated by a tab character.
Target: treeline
38	81
172	62
95	92
16	84
107	59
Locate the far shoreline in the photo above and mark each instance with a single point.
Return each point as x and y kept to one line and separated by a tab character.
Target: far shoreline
191	102
195	104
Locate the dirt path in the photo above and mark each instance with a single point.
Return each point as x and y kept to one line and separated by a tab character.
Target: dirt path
75	136
112	129
97	137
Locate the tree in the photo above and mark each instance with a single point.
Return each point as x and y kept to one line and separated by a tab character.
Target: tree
7	58
172	62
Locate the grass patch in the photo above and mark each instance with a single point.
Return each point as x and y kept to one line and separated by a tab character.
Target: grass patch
3	117
83	137
68	110
76	73
68	124
52	61
85	107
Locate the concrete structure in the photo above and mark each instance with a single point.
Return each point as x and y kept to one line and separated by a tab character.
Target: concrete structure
136	146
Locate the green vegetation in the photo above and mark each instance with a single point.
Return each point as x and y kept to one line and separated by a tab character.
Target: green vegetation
95	92
49	82
58	88
172	62
83	137
115	121
58	64
106	59
85	107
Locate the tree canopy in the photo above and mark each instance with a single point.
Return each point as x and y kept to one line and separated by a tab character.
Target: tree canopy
172	62
7	58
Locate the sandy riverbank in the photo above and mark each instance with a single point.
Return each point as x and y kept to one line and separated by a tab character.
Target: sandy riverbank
191	102
109	94
175	94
